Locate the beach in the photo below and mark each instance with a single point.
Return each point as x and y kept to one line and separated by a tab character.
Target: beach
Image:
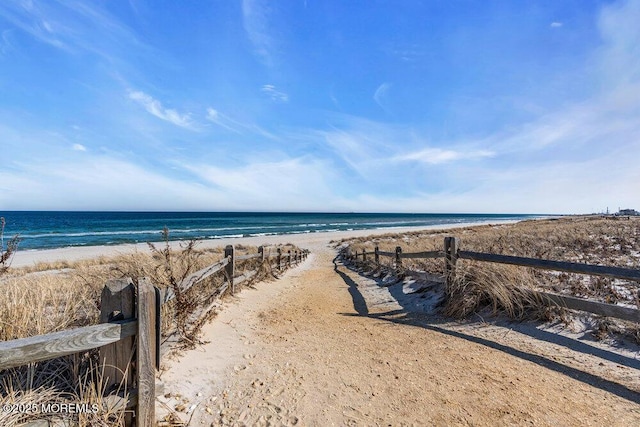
324	344
329	343
303	240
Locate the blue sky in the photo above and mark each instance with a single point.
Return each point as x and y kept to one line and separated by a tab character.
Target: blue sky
397	106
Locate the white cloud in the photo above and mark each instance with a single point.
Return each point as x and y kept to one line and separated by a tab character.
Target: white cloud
100	183
256	21
620	55
364	145
380	95
153	106
236	126
79	147
435	156
288	184
274	94
556	24
6	45
72	27
213	115
226	122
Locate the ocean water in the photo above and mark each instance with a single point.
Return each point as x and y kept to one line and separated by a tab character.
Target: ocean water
46	230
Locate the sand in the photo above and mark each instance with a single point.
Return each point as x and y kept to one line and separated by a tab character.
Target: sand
324	345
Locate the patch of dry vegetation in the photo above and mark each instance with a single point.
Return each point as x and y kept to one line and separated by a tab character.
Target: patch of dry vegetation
612	241
50	297
6	253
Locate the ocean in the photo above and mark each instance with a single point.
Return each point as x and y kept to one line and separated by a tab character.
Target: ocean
47	230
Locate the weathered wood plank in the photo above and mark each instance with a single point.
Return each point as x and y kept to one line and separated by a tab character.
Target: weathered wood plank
194	278
145	354
398	257
117	302
246	276
603	309
279	259
428	254
229	253
57	344
249	256
570	267
451	252
389	254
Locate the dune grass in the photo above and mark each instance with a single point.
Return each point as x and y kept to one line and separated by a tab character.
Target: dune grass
50	297
611	241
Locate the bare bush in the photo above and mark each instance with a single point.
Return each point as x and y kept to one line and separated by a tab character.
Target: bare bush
6	254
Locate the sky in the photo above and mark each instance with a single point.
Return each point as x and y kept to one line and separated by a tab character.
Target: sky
320	105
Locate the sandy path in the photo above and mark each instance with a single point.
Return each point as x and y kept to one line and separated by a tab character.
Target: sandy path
317	347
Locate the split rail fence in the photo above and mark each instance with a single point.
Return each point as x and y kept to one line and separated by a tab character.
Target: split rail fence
452	253
128	336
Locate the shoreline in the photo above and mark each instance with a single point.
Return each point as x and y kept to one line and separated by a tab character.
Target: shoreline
304	240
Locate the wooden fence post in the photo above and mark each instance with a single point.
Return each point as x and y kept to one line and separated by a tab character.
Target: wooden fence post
146	354
230	268
451	246
261	252
289	259
376	255
398	259
279	259
364	256
117	302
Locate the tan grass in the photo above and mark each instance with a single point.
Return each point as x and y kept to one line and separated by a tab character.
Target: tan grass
35	390
50	297
594	240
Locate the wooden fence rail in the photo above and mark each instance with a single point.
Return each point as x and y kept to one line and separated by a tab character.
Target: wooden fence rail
130	332
570	267
452	254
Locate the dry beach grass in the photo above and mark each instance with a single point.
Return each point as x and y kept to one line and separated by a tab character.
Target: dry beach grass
54	296
612	241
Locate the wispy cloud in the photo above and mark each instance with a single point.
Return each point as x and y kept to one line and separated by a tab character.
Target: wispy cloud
274	94
96	182
256	21
73	26
237	126
436	156
36	20
79	147
305	183
5	42
153	106
408	53
620	55
380	95
556	24
223	121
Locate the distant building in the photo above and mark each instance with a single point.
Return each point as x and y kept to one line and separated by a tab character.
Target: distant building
628	212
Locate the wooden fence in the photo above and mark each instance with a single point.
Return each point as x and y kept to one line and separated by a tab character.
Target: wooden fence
129	331
451	253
